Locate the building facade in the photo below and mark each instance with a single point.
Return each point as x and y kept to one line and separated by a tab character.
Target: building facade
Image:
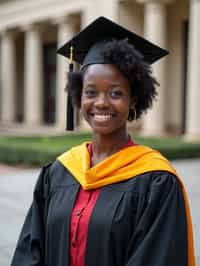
33	78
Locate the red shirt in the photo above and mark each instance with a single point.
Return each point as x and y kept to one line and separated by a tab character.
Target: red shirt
80	218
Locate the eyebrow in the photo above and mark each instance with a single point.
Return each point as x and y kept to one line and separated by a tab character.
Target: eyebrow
113	84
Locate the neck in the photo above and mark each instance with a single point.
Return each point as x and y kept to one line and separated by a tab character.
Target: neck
107	144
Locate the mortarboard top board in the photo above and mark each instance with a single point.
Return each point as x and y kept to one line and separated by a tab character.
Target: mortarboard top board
87	44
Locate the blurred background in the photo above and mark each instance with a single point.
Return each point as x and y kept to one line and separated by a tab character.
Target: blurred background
33	96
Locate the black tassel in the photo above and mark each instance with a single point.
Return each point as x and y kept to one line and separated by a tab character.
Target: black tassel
70	109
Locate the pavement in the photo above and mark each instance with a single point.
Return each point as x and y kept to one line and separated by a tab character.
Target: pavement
17	184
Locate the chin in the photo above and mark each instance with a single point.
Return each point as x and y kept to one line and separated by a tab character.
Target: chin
106	130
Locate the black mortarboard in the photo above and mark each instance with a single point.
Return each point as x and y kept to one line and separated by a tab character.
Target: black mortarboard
87	45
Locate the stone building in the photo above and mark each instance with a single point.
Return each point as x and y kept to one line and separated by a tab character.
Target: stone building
32	78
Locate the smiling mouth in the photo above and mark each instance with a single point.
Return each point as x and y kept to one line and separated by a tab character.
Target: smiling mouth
102	117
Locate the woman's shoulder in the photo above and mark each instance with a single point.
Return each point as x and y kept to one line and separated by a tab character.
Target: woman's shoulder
144	182
54	175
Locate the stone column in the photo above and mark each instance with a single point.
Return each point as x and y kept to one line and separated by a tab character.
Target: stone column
193	90
33	83
96	8
66	30
155	31
109	9
8	77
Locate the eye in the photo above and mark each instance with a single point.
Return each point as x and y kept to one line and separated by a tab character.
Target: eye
116	93
89	92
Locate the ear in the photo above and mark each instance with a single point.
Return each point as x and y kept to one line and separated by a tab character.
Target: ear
133	102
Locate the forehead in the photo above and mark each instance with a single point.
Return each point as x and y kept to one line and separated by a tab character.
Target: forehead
103	72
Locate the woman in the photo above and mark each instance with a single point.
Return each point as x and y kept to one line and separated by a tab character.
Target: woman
109	202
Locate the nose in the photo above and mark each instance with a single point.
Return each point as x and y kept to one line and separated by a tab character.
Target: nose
102	101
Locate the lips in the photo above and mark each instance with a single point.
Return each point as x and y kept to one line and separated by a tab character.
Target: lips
102	117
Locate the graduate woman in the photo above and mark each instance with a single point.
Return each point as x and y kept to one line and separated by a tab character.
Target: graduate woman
110	201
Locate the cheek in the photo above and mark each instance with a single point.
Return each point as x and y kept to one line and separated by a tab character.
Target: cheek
123	106
85	105
83	101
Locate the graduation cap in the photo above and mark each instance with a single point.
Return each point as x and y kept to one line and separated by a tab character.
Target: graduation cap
86	48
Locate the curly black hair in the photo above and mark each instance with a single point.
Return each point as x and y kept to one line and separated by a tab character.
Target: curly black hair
136	70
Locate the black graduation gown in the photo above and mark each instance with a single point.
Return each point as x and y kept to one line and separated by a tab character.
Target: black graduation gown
138	222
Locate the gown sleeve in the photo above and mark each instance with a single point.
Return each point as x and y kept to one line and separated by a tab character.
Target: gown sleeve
160	236
30	249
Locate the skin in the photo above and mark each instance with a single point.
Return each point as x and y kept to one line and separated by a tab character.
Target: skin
105	104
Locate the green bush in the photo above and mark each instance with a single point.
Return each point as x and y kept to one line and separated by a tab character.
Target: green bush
28	156
37	150
40	150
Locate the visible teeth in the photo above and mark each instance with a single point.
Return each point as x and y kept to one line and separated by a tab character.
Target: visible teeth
106	115
102	116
